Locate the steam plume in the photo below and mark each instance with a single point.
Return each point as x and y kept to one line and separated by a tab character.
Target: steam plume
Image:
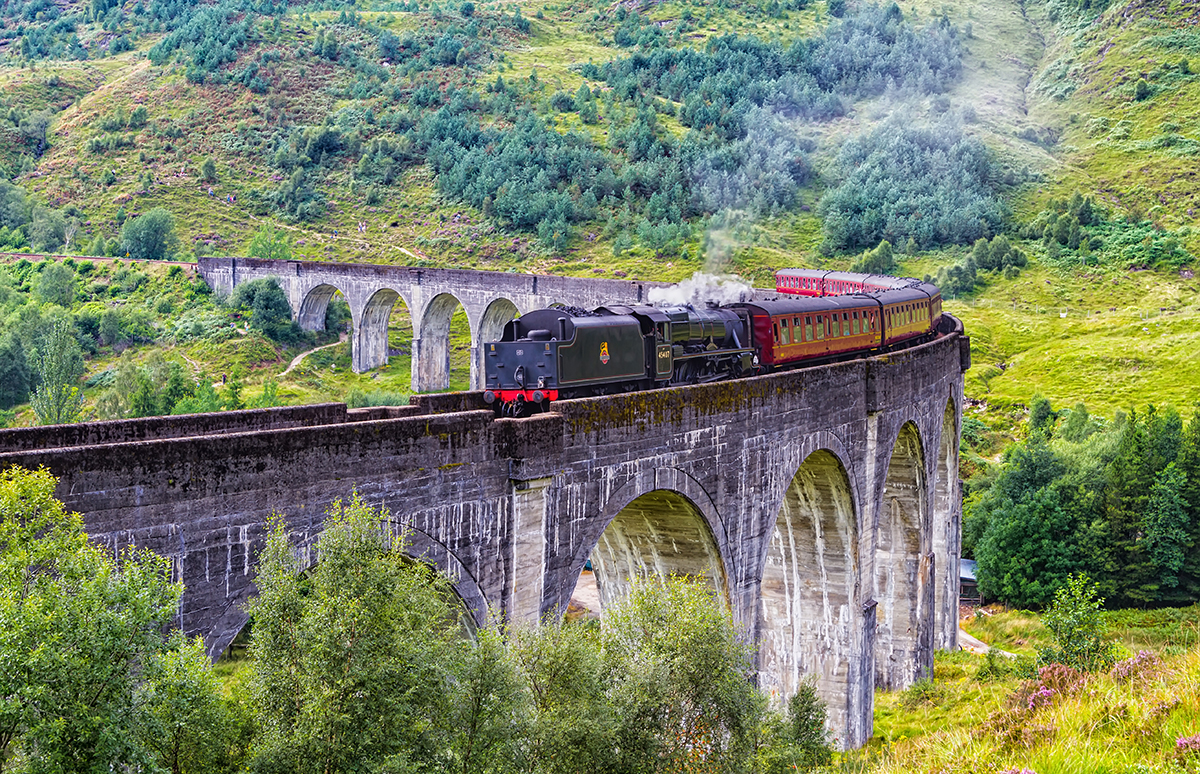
701	288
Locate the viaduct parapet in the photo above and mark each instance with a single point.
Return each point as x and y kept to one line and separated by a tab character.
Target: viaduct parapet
489	298
822	504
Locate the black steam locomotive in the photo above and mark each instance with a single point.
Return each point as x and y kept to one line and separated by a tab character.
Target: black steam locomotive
559	353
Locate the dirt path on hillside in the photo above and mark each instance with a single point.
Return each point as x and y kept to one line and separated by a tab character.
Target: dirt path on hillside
300	358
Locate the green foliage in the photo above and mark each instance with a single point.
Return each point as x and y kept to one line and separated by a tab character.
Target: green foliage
1167	525
1028	550
682	700
208	170
359	399
996	255
800	742
15	376
269	309
189	726
1117	501
353	664
900	181
150	237
47	233
58	363
205	37
1041	416
297	197
881	260
84	637
203	400
1077	426
55	284
269	244
1076	623
233	390
572	726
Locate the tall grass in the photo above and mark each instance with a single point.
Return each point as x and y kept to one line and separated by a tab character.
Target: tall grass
1167	631
1129	720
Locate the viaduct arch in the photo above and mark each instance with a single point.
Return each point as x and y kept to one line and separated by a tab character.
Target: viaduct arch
490	299
821	503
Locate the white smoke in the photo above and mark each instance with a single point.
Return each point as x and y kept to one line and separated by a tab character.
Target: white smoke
701	288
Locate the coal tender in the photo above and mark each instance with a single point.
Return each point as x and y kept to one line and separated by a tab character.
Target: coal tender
565	352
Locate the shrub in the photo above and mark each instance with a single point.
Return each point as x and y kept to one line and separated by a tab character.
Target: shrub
359	399
1075	620
1131	668
55	285
150	237
923	692
269	243
270	311
800	742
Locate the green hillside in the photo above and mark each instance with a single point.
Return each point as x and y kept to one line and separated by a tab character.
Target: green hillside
648	140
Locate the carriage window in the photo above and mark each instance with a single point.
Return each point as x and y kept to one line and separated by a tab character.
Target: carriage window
784	338
808	331
845	323
854	325
776	327
820	327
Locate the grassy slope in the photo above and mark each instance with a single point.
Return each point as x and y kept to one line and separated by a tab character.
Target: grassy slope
1105	725
967	722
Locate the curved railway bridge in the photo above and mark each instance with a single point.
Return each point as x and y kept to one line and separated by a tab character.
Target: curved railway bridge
431	296
823	504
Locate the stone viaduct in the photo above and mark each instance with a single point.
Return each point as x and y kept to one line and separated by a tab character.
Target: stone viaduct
489	298
822	504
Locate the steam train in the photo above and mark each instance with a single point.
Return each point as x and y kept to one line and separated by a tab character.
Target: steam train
563	352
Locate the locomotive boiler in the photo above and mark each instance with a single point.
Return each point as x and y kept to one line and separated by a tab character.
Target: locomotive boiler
563	352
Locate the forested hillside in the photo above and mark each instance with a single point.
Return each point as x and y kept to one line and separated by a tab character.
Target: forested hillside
1033	158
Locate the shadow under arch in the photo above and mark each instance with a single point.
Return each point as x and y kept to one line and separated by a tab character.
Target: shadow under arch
810	621
311	316
431	367
490	328
900	567
371	330
657	526
946	539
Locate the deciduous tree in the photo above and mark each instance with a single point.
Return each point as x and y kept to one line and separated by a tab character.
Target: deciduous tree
82	635
58	362
150	237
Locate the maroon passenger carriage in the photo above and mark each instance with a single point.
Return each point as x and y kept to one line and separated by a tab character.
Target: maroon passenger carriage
817	317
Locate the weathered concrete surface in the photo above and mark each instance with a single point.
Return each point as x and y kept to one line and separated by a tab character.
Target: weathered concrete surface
489	298
821	503
122	430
